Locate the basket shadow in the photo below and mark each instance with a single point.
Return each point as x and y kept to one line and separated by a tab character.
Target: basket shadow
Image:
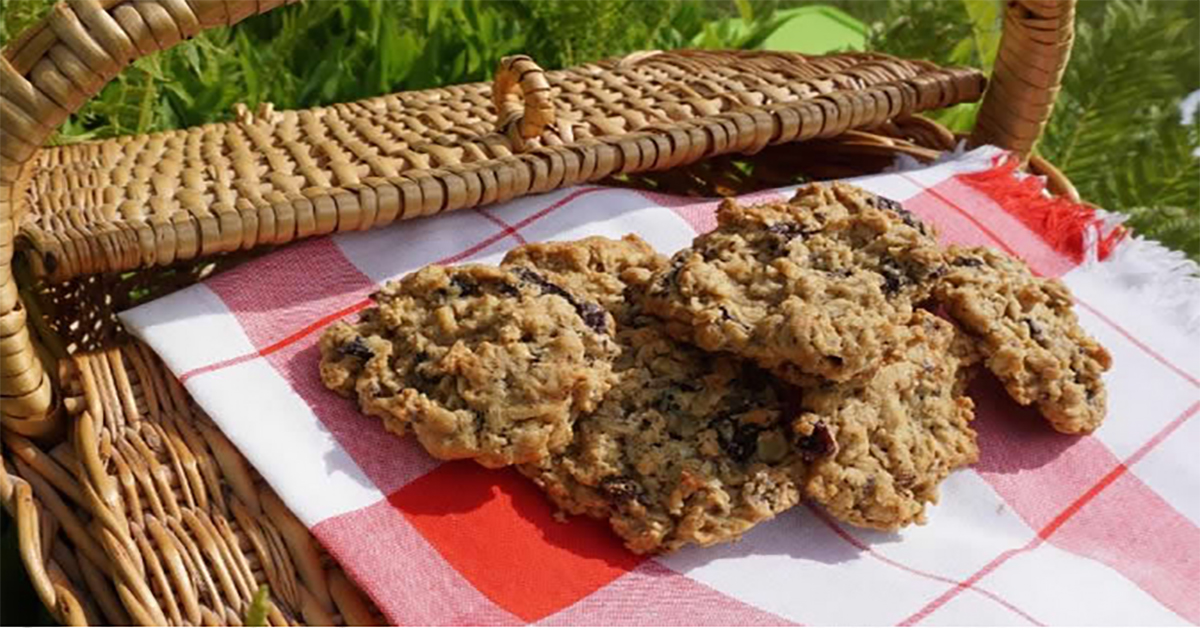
311	278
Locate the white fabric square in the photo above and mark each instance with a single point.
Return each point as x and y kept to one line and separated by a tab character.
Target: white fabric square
968	527
517	211
1173	470
1049	584
277	431
796	567
624	212
189	329
1134	312
408	245
970	608
893	187
1143	394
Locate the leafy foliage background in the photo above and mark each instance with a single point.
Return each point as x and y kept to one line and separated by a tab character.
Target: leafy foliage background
1116	132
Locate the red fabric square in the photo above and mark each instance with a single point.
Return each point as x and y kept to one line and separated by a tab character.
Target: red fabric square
408	579
498	530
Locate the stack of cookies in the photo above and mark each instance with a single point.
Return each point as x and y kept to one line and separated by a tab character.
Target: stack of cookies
816	349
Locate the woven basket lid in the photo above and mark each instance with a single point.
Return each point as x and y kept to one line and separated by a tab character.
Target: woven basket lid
271	177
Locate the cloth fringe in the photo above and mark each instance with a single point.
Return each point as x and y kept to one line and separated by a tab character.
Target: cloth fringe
1162	279
1063	224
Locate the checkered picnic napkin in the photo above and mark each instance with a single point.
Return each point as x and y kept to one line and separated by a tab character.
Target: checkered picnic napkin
1045	529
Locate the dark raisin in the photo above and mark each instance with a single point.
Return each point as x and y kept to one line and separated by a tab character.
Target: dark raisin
888	204
357	349
1035	330
785	233
664	285
754	378
817	445
893	277
666	402
963	261
509	290
466	287
620	489
534	278
725	314
906	216
738	439
594	316
836	360
789	231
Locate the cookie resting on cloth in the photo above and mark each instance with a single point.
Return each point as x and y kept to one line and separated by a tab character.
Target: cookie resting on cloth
599	269
478	362
687	447
896	433
672	455
819	286
1029	336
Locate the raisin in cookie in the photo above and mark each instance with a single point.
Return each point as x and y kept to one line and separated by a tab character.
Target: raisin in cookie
596	268
896	434
686	448
818	286
479	362
1029	336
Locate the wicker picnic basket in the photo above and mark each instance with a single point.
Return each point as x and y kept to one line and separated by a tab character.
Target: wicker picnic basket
131	506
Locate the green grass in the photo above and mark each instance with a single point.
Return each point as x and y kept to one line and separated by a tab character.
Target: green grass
1115	134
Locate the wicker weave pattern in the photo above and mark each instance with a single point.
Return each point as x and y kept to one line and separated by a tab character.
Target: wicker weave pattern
46	74
167	523
1034	50
272	177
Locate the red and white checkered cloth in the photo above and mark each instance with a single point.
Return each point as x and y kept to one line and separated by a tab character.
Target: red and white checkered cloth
1045	529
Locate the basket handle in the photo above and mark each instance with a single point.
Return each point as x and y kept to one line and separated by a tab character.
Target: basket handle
47	74
522	119
1034	49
